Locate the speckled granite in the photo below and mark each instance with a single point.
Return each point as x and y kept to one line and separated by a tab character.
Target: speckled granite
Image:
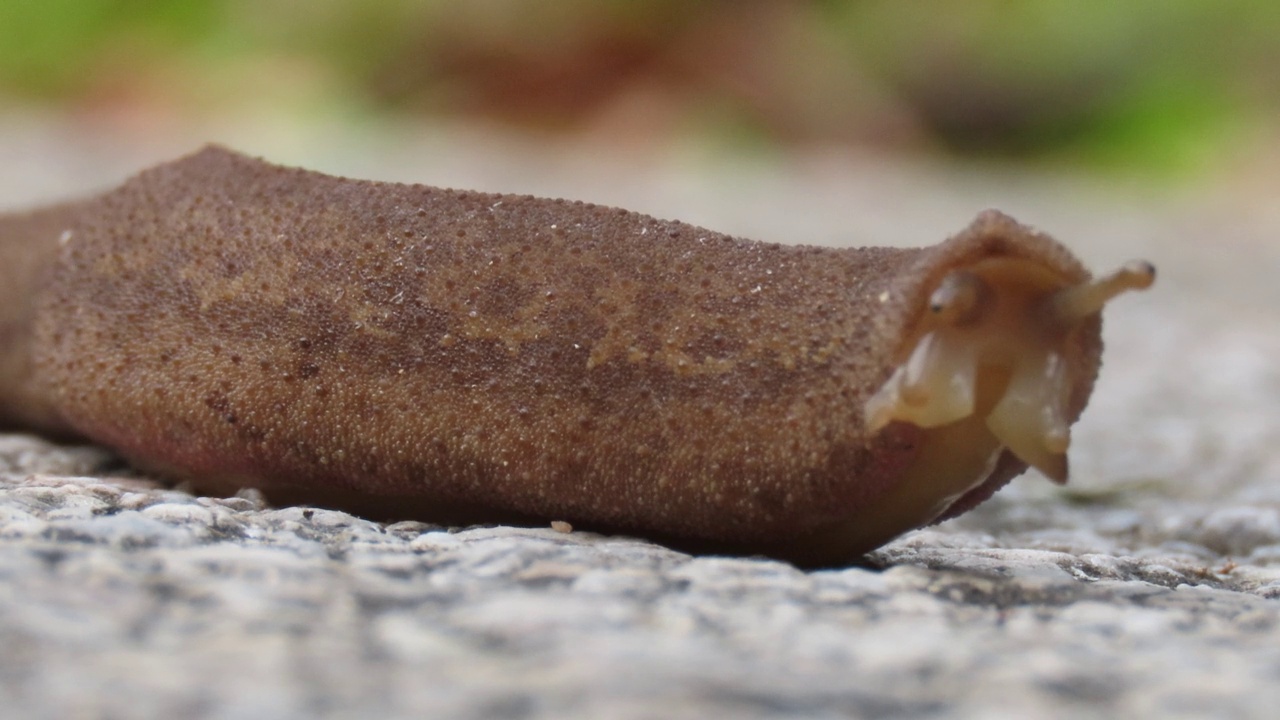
1150	587
121	601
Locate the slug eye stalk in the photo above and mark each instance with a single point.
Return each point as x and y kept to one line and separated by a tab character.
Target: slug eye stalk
987	366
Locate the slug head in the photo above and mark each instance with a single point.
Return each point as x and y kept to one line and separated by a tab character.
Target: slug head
999	355
989	362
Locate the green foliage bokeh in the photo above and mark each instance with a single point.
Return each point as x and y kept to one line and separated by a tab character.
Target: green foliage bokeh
1160	83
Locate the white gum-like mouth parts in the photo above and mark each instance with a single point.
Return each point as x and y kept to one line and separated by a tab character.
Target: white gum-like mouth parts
992	349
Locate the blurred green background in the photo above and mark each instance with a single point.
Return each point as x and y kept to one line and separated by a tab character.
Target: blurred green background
1166	87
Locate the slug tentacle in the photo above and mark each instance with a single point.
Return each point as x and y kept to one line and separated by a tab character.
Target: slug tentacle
1031	418
935	386
1073	304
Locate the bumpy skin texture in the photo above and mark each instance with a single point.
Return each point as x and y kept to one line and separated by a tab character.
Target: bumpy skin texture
401	350
28	249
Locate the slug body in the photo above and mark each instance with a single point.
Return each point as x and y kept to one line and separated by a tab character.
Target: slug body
407	351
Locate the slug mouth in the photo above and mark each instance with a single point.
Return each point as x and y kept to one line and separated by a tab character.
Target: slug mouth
991	357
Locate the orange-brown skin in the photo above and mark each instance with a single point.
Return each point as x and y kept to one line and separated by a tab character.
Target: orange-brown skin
401	350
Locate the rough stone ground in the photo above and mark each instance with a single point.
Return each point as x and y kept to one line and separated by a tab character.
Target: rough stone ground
1149	587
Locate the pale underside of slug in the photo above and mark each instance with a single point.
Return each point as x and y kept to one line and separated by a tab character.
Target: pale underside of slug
407	351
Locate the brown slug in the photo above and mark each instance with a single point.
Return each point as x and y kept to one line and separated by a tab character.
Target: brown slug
406	351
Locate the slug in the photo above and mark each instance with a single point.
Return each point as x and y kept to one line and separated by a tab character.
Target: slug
407	351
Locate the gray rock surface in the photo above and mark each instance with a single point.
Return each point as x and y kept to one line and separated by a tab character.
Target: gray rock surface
1148	587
